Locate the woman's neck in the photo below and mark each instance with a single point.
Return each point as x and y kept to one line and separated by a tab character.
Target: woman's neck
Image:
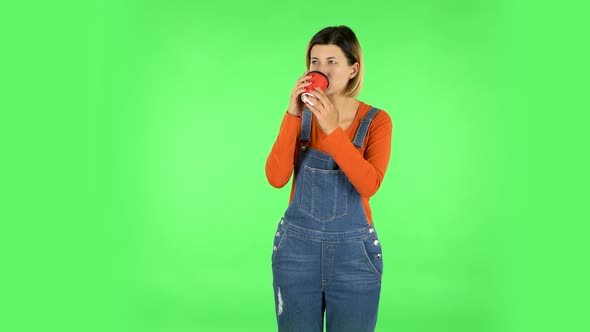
346	106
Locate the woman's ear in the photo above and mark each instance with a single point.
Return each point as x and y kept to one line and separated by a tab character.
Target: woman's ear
354	71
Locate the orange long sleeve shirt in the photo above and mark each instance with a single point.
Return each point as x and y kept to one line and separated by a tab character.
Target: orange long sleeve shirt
365	168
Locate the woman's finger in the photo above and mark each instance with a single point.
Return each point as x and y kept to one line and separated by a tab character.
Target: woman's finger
302	84
303	78
322	97
314	110
319	93
318	107
319	104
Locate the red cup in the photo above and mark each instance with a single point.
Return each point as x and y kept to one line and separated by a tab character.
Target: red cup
319	80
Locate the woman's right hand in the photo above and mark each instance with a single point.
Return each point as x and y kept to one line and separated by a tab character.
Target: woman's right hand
295	103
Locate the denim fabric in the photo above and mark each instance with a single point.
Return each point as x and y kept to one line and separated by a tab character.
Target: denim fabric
326	258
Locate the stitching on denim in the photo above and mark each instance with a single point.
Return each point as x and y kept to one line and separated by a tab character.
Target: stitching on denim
368	259
308	171
363	129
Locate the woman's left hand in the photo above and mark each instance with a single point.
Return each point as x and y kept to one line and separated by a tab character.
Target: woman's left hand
325	112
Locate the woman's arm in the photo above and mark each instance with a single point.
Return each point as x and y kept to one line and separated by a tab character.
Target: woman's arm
364	172
279	164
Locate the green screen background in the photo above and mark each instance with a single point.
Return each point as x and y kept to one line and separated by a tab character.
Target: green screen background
140	198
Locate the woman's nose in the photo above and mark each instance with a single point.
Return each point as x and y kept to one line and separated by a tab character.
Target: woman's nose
319	67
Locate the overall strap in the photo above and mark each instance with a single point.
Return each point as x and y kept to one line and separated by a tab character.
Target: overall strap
361	132
305	126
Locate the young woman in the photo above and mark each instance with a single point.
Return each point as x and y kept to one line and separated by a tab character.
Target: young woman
326	256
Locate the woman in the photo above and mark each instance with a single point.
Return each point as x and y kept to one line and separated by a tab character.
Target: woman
326	255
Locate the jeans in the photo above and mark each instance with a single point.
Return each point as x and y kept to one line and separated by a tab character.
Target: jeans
338	273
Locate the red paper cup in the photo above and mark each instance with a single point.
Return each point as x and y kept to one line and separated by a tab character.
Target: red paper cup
319	80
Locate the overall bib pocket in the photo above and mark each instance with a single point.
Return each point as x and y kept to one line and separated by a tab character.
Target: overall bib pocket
324	193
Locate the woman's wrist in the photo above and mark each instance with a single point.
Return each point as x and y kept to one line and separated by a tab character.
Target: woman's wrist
293	113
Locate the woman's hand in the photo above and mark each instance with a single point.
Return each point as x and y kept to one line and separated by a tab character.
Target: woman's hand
324	111
295	103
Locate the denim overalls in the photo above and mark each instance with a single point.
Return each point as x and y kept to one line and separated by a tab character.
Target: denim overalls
325	254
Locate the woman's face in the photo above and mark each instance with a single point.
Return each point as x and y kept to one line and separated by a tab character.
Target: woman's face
330	60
